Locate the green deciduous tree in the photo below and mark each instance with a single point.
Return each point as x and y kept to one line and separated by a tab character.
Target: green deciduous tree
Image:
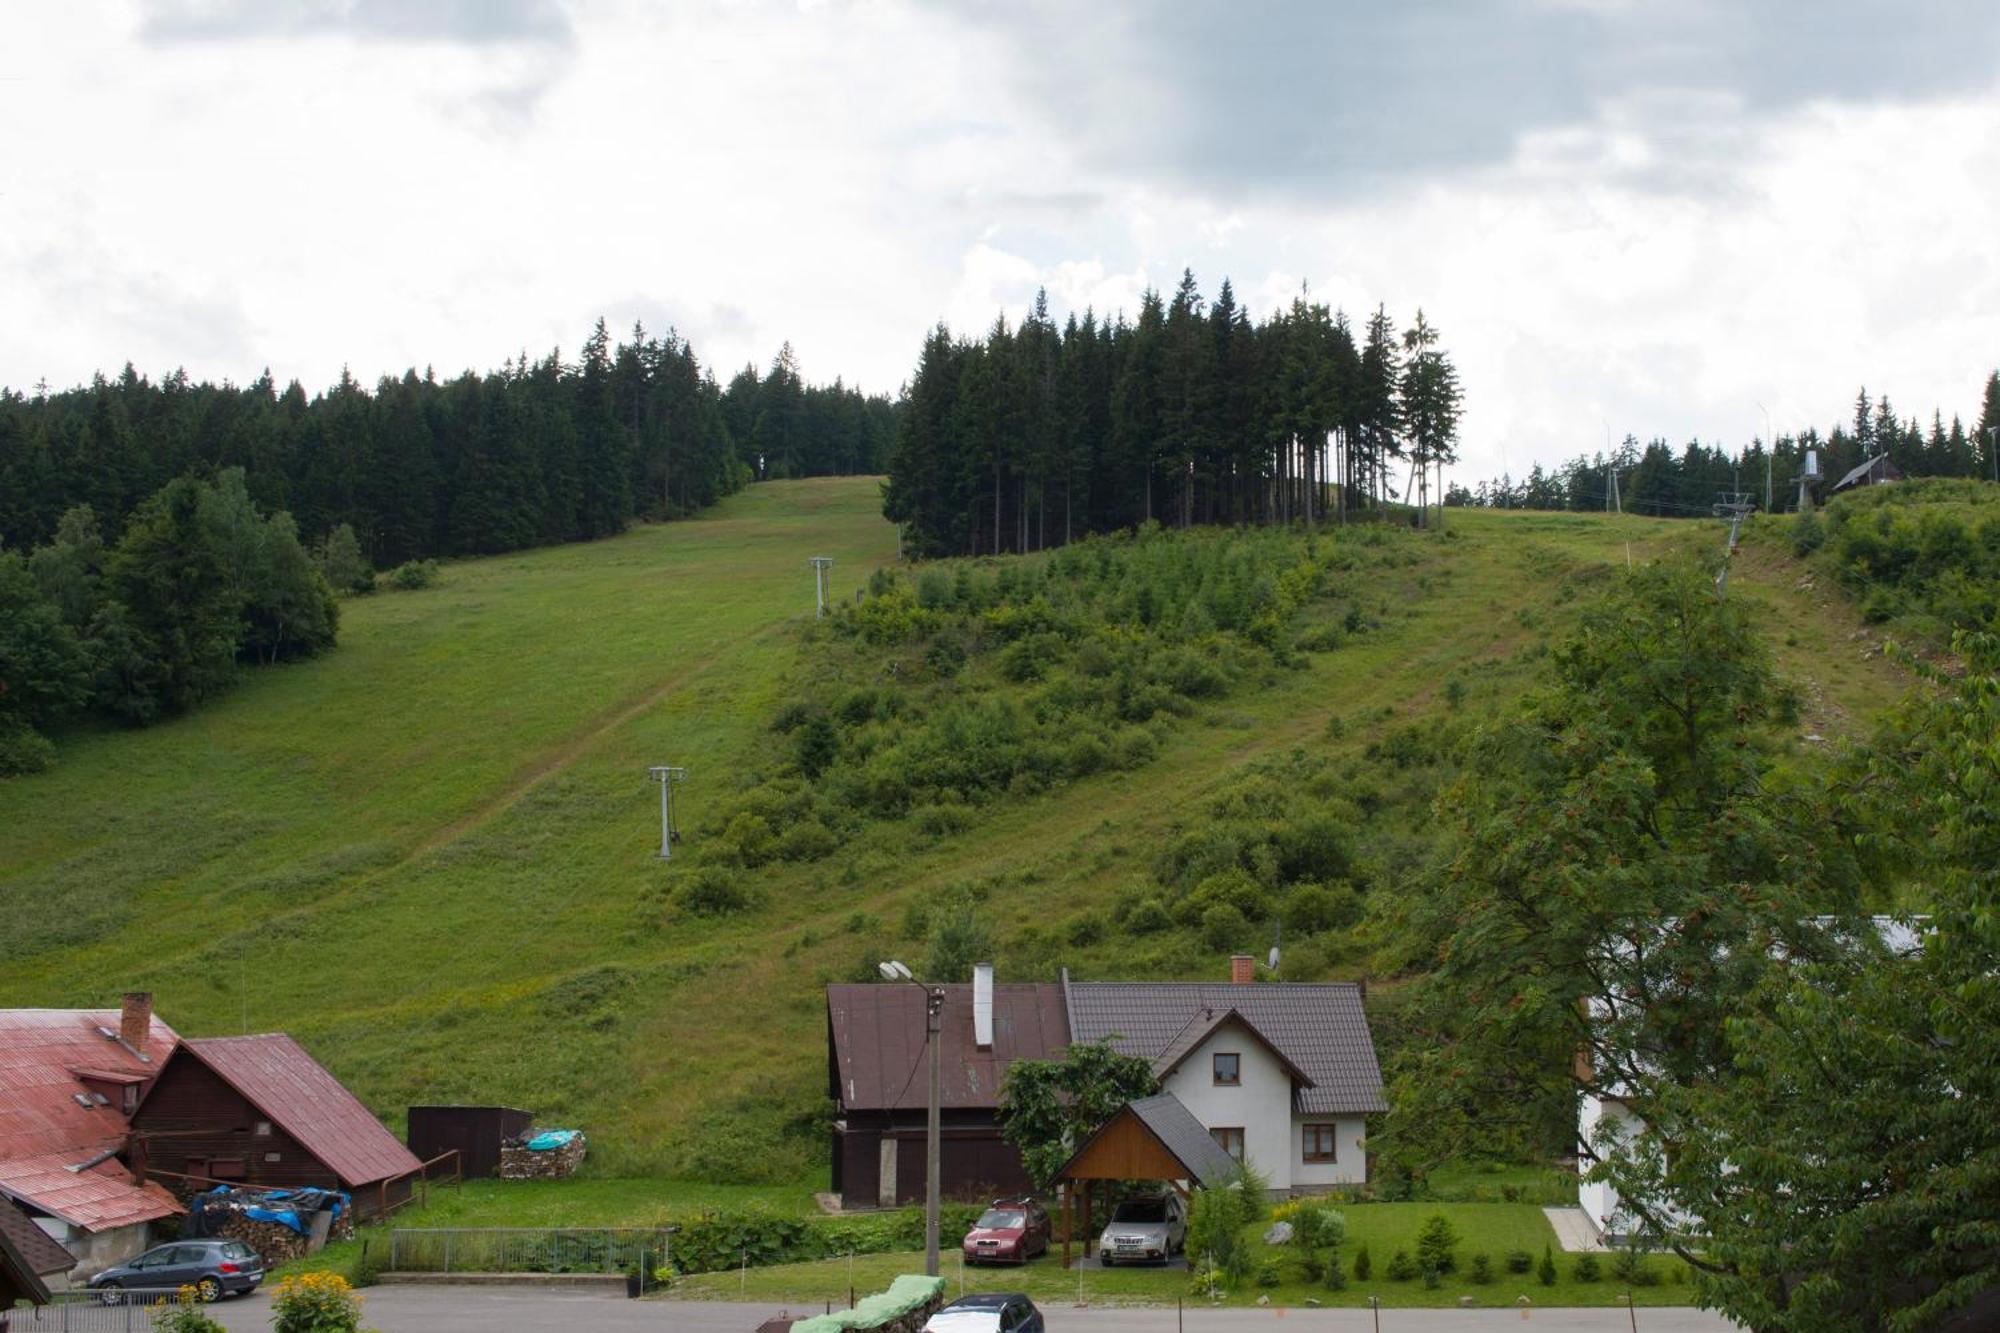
1848	1172
1048	1107
1623	858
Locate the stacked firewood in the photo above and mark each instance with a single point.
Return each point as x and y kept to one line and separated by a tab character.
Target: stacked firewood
520	1162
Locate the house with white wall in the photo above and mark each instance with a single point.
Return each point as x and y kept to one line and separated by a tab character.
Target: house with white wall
1606	1122
1282	1075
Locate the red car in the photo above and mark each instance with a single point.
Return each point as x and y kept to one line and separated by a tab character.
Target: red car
1010	1231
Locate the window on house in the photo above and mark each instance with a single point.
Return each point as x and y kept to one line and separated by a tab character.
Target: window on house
274	1157
1228	1069
1319	1143
263	1129
1231	1141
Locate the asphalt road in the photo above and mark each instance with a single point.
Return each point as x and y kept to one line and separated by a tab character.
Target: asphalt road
396	1309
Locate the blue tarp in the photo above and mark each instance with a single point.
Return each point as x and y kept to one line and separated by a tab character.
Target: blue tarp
289	1208
550	1139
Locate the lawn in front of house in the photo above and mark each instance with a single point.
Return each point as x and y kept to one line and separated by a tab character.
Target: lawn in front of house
1491	1228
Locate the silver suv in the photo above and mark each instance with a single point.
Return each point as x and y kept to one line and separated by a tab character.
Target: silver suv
1147	1228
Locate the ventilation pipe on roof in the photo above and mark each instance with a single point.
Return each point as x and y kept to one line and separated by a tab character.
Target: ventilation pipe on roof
135	1021
982	1006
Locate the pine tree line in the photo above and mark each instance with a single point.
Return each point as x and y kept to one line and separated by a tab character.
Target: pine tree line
1657	480
1193	413
538	452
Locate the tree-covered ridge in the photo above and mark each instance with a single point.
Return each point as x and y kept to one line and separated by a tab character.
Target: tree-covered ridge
538	452
155	623
1658	481
975	681
1194	413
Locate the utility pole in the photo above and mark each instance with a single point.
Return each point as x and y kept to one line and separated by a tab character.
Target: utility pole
820	564
934	1130
1770	453
667	777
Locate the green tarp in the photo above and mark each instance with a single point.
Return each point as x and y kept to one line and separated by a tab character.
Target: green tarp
906	1295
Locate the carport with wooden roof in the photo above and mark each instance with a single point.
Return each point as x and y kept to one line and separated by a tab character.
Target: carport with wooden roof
1154	1138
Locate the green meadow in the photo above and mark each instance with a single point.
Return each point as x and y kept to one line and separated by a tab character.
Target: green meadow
431	854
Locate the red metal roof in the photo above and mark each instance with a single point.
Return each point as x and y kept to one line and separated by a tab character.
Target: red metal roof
275	1074
39	1051
99	1198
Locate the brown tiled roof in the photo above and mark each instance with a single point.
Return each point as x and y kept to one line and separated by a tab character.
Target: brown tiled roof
28	1251
1319	1028
876	1036
101	1197
277	1076
1206	1021
41	1051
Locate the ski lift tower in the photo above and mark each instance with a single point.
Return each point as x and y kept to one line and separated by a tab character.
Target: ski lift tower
1735	506
667	777
1808	480
820	564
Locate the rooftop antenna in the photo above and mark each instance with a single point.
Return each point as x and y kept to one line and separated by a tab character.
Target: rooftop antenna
1734	506
820	564
669	835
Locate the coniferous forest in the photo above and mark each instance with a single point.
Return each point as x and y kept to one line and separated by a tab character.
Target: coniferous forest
1193	413
540	451
156	537
1658	480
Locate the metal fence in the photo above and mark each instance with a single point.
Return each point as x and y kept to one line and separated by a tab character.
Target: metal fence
527	1249
128	1311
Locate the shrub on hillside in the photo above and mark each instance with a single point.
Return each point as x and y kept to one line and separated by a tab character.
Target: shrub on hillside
1482	1268
413	574
1519	1261
1585	1269
1401	1266
712	890
1364	1267
808	840
1546	1271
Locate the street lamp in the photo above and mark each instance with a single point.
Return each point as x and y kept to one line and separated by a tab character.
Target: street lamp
933	1018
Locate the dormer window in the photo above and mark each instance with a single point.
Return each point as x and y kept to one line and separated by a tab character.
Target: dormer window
1228	1069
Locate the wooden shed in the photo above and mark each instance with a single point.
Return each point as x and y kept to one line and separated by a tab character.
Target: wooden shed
260	1111
475	1133
1154	1138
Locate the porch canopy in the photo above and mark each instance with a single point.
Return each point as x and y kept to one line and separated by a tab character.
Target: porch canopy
1154	1138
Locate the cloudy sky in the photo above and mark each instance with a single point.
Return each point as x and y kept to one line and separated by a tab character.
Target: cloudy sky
1645	217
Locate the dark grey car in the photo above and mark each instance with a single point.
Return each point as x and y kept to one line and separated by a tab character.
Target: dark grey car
214	1268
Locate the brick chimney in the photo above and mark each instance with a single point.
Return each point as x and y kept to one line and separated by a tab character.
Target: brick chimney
1242	969
135	1019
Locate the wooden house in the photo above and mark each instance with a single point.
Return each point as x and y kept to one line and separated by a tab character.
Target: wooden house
260	1111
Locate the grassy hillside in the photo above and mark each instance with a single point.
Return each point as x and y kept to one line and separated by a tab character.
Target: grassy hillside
429	855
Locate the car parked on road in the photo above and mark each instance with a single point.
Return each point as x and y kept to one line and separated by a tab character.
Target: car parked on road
214	1268
1146	1228
987	1312
1010	1231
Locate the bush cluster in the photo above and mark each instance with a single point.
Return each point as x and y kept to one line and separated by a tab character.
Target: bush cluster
1923	549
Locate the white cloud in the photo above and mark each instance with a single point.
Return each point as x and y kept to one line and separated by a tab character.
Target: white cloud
843	175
